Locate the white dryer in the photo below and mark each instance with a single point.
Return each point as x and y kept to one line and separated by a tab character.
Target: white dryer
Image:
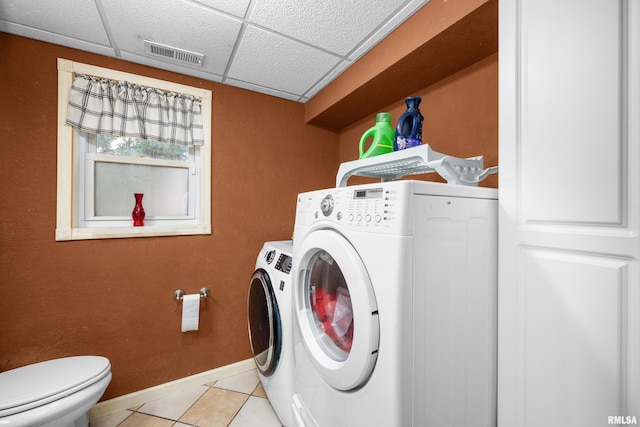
270	325
395	306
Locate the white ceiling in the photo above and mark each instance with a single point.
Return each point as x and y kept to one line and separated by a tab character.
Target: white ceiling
286	48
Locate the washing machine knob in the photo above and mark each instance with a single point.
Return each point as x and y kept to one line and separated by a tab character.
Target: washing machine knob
269	256
326	205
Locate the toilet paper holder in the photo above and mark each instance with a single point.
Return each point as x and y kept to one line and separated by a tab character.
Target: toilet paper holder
179	293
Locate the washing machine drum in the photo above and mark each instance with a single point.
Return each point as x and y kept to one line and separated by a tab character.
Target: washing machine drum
335	310
265	328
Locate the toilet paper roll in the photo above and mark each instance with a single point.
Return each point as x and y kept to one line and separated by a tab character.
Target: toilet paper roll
190	312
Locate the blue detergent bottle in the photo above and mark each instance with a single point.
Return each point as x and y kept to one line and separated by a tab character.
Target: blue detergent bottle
382	137
409	127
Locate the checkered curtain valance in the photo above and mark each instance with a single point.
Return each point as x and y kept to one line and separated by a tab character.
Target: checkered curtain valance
123	109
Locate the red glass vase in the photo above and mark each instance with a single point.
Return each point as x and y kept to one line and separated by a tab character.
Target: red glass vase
138	211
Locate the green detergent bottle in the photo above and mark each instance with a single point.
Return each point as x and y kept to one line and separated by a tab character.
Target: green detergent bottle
383	135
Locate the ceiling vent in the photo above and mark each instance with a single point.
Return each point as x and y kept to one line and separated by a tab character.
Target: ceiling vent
173	53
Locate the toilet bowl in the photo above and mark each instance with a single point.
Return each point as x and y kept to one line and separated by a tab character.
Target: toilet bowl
55	393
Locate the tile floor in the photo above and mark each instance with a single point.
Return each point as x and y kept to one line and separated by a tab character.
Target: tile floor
236	401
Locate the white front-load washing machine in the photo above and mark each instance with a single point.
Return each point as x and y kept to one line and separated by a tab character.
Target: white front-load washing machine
270	325
395	306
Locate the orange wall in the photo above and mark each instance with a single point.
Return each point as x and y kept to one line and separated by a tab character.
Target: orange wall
114	297
460	119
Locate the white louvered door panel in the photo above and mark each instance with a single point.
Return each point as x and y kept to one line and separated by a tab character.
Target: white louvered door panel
569	248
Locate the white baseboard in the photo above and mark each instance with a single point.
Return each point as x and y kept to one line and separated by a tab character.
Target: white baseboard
127	401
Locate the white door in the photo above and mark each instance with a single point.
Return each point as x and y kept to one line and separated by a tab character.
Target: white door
335	310
569	277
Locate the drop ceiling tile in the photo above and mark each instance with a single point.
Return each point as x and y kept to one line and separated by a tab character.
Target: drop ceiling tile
261	89
181	24
76	19
276	62
385	29
335	72
234	7
36	34
171	66
335	25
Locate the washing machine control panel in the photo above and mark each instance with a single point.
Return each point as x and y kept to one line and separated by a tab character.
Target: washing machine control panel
364	207
284	263
367	206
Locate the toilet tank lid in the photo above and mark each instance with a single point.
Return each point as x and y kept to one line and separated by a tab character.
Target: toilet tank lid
34	385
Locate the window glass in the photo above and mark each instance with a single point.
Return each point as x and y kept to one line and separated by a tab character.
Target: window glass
165	189
112	169
135	147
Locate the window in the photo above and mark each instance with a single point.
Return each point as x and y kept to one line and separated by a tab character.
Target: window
98	174
112	169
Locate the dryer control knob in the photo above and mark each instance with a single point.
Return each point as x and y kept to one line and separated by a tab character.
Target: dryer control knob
269	256
326	205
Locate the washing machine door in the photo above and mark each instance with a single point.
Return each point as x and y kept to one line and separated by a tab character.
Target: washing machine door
335	310
265	329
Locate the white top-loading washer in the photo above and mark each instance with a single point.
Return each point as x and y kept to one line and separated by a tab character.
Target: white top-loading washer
270	325
394	305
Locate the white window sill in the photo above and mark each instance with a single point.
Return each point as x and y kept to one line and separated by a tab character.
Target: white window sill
126	232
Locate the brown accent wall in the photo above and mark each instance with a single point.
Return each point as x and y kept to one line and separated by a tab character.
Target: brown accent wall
114	297
460	119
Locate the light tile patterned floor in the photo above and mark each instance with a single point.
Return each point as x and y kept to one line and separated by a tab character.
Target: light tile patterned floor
237	401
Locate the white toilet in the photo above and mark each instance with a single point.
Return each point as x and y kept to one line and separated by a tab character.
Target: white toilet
55	393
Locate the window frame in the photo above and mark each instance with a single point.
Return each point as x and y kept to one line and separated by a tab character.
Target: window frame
68	190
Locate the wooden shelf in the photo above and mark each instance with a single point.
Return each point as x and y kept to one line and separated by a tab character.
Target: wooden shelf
442	38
